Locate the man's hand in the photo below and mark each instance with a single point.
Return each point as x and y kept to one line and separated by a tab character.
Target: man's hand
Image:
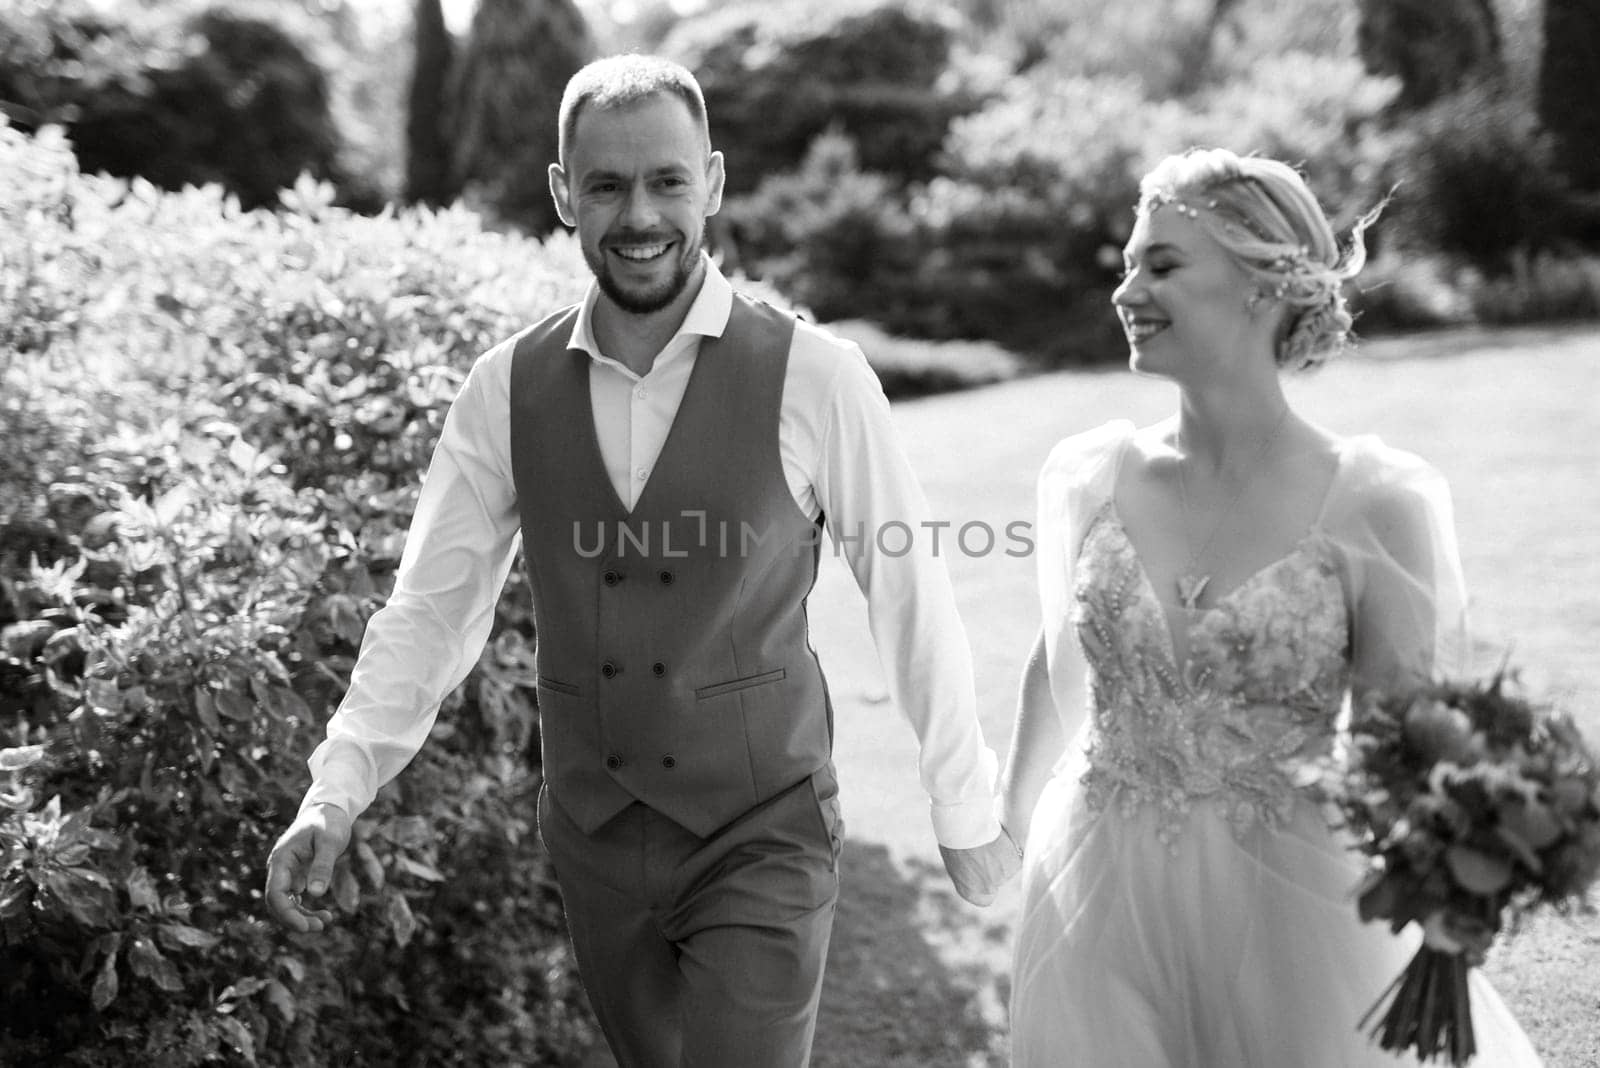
980	872
301	864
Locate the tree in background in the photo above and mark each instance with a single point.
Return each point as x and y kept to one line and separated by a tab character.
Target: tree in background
1172	47
1432	46
428	178
1568	103
518	59
175	98
775	78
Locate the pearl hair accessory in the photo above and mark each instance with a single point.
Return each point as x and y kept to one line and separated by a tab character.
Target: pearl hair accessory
1289	266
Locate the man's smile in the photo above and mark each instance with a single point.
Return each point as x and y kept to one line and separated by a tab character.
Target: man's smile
641	253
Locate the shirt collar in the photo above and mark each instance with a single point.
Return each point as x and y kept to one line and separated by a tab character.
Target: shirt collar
707	316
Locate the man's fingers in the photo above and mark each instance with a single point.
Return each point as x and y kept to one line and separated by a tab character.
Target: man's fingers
325	852
292	868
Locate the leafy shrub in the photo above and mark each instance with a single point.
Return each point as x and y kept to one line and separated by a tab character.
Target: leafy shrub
776	77
1571	64
216	97
1540	288
1433	47
1476	181
507	88
916	368
1019	240
1399	292
223	417
822	234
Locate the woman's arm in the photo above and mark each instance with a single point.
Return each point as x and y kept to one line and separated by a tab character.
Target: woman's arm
1036	744
1409	621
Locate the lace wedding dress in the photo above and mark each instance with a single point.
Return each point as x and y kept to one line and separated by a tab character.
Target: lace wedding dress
1186	904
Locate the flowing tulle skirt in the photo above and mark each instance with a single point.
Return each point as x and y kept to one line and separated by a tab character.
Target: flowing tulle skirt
1222	950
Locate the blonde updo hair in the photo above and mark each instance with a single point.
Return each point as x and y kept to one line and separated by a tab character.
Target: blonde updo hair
1263	213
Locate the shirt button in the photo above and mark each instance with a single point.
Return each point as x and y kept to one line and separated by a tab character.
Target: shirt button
641	473
641	393
659	668
610	669
669	762
613	762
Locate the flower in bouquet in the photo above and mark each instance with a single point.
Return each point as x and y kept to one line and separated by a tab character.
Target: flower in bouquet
1474	805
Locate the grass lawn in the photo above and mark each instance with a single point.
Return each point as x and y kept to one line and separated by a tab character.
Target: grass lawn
1512	418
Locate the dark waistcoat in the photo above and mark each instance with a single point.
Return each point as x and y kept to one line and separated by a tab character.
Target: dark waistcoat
673	657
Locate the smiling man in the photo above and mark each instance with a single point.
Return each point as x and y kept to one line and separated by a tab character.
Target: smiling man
690	805
637	181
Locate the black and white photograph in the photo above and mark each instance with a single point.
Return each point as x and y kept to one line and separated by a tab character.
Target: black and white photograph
844	534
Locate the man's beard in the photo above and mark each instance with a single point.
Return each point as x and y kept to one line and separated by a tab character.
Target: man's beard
651	300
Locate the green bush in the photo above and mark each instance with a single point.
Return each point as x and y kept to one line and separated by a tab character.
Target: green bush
910	368
223	417
776	77
1540	288
1476	181
506	89
1398	292
1019	240
179	100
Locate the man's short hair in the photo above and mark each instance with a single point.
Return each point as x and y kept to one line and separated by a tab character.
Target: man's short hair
616	81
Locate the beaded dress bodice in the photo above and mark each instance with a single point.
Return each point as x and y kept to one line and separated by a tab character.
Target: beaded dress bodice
1250	708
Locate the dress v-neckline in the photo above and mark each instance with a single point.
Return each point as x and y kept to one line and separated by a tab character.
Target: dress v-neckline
1188	620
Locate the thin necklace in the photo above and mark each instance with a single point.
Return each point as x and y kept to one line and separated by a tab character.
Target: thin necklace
1190	584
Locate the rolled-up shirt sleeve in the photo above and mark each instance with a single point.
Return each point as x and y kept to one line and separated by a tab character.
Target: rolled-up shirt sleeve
875	508
422	643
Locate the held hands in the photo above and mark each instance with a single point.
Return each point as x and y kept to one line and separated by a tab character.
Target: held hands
979	873
301	865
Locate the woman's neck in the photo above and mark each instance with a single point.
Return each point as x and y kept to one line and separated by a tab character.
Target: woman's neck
1220	430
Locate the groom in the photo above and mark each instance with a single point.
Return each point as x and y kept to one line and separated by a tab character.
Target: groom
669	452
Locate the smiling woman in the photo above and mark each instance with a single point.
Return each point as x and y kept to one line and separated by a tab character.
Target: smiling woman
1225	580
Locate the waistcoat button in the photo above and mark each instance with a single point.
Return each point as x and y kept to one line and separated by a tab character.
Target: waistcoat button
610	670
666	578
613	762
659	668
669	762
611	576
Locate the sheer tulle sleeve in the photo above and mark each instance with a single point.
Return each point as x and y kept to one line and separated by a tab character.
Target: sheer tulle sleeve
1392	520
1076	480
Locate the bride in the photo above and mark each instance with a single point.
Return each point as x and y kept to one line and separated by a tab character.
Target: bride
1222	581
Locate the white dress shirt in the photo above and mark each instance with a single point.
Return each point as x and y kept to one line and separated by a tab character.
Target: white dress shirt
841	458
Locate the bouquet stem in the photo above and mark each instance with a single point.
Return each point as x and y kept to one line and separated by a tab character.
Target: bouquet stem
1430	1011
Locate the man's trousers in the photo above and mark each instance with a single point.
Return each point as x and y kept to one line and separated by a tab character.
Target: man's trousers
704	952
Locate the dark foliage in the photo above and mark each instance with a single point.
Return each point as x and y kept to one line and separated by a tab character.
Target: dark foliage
775	79
517	61
1568	102
428	148
218	97
207	483
1477	182
1433	46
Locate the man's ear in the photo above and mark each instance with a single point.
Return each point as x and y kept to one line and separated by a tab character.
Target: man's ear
714	179
563	196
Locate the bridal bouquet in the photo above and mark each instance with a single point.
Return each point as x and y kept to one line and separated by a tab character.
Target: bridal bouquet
1473	804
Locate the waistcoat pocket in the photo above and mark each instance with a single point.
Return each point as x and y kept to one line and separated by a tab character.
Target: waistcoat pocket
732	685
559	687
